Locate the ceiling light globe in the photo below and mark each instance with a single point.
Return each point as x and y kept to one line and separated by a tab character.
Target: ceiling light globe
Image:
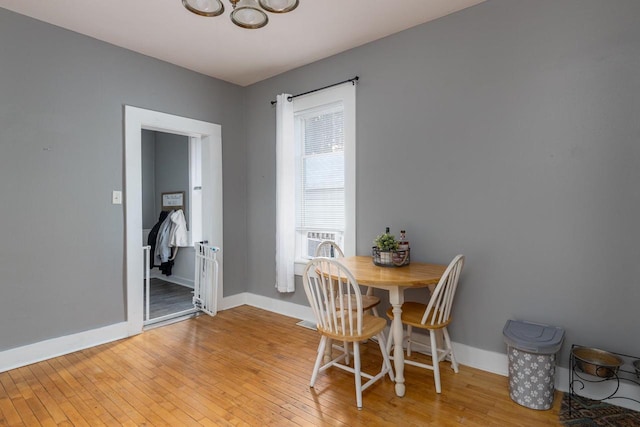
247	14
279	6
204	7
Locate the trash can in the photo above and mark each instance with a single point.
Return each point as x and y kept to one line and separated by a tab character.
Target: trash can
531	350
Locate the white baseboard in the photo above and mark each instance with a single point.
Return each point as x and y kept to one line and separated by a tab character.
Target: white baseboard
21	356
484	360
177	280
276	306
469	356
37	352
232	301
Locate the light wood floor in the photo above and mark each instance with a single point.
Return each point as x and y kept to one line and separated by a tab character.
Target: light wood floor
245	366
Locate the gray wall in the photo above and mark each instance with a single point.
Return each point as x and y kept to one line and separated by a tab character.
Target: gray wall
511	130
165	168
61	155
511	127
172	167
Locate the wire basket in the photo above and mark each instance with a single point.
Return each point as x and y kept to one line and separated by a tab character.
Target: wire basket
390	258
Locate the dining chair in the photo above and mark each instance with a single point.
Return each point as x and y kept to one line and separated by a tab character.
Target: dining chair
434	316
342	320
330	249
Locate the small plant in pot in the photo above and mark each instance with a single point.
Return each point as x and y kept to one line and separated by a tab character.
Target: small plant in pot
385	245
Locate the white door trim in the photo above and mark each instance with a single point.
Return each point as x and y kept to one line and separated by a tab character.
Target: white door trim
135	120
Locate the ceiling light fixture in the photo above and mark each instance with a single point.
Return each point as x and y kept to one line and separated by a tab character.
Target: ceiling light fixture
246	13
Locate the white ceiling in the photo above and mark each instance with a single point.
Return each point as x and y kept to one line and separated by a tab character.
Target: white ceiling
164	29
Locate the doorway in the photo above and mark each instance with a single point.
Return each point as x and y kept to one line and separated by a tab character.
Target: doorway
171	187
137	120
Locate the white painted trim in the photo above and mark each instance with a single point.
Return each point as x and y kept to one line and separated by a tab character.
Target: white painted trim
232	301
285	308
32	353
468	356
299	267
176	280
136	119
485	360
296	311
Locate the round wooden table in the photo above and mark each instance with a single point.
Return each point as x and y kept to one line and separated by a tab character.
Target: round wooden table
395	280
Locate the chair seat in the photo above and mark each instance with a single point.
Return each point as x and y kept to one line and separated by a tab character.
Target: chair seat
412	313
368	301
371	326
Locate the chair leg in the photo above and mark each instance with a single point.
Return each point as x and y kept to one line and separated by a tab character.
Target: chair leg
345	346
316	367
435	362
374	310
385	355
390	342
409	331
357	372
447	340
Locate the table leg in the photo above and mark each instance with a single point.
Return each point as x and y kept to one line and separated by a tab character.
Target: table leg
396	298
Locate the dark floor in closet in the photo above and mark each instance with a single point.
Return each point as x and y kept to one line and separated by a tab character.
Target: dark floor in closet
168	298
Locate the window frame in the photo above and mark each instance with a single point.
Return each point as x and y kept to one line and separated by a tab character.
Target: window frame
346	94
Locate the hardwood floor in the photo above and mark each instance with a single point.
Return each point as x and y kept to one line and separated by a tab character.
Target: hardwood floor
245	366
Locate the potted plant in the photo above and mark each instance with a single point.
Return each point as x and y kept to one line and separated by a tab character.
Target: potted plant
385	246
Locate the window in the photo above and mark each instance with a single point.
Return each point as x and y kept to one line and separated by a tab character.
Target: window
324	129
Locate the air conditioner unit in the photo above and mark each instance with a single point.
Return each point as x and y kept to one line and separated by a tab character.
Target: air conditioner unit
314	238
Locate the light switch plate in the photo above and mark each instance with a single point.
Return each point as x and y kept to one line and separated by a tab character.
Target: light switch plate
116	197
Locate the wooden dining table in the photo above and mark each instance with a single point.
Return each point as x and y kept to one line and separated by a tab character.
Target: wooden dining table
395	280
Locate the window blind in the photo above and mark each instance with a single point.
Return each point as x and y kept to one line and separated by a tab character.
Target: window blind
321	201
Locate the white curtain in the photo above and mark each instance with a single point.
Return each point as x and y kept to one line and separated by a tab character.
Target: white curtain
285	195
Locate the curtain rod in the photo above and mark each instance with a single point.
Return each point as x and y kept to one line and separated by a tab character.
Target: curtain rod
290	98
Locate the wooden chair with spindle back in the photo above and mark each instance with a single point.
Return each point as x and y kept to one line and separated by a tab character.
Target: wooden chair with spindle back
433	317
342	319
330	249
